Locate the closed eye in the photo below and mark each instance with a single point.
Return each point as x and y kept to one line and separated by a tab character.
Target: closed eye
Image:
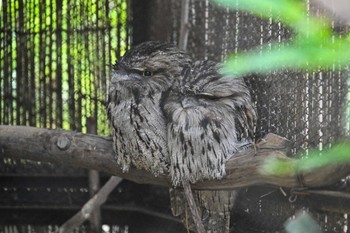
207	96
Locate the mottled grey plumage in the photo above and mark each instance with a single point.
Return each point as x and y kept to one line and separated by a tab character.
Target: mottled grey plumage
171	115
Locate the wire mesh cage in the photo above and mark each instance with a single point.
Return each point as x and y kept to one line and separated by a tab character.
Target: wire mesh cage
308	108
54	68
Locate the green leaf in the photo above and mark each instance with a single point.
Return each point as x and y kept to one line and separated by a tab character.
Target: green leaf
278	167
338	154
312	47
291	12
301	54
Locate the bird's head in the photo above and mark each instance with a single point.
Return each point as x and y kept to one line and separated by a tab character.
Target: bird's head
150	63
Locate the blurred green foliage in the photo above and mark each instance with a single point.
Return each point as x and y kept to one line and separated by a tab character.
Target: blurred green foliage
314	160
313	45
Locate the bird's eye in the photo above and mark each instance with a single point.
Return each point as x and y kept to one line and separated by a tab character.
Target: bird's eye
147	73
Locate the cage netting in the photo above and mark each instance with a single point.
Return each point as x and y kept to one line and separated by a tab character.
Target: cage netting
309	108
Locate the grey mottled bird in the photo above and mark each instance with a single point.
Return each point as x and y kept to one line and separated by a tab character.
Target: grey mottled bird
171	115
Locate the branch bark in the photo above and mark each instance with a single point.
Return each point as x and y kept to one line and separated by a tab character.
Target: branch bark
96	152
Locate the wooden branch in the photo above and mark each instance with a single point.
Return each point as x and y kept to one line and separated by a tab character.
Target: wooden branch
95	152
94	183
88	209
184	29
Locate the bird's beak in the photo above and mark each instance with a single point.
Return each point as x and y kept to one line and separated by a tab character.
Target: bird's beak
121	75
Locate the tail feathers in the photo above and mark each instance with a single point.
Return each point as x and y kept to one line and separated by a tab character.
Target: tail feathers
214	207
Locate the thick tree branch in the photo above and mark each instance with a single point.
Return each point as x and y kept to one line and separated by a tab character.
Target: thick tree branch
95	152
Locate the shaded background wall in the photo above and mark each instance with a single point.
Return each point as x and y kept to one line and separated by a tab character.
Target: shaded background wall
54	67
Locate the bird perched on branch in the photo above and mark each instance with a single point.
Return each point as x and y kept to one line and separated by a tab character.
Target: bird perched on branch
171	115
